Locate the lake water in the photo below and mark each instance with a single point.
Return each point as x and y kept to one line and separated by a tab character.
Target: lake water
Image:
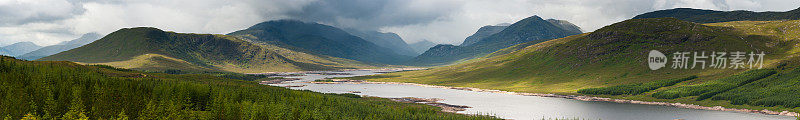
523	107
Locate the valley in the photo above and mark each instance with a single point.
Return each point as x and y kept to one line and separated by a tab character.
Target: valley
386	59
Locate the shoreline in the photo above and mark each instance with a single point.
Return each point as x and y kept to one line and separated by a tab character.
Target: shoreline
341	70
576	97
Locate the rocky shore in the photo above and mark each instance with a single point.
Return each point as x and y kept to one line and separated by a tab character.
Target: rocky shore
276	81
432	102
576	97
335	72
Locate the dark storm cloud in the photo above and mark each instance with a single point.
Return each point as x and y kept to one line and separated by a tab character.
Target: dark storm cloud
48	22
374	14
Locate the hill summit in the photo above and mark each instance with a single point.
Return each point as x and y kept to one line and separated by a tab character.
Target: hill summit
147	48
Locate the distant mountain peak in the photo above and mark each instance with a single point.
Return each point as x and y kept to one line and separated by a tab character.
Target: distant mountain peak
19	48
60	47
483	32
25	43
84	39
493	38
385	39
422	46
502	24
563	24
321	39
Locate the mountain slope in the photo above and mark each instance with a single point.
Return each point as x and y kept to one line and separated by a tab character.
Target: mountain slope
422	46
157	50
614	54
615	57
482	32
533	28
712	16
18	48
321	39
60	47
386	40
563	24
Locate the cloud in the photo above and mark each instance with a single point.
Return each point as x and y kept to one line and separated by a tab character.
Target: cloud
47	22
373	14
17	12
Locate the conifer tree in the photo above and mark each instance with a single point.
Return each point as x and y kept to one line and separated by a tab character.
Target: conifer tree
76	109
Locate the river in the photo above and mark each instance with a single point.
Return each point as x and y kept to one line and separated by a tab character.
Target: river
521	107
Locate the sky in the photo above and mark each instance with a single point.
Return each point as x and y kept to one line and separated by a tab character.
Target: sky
48	22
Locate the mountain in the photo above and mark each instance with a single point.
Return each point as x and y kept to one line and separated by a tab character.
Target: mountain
321	39
712	16
604	56
533	28
613	62
152	49
60	47
18	48
563	24
386	40
422	46
483	32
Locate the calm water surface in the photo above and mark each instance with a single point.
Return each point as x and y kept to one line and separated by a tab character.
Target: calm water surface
524	107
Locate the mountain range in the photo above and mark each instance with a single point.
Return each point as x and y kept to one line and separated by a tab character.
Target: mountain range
389	40
422	46
613	62
151	49
483	32
321	39
18	48
60	47
533	28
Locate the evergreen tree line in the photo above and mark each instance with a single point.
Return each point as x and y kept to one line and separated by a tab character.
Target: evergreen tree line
634	89
782	89
708	89
65	90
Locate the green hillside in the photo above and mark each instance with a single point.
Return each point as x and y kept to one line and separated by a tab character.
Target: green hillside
320	39
65	90
532	29
152	49
614	58
712	16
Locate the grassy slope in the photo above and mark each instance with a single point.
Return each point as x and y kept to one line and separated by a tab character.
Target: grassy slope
47	89
614	55
155	50
712	16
